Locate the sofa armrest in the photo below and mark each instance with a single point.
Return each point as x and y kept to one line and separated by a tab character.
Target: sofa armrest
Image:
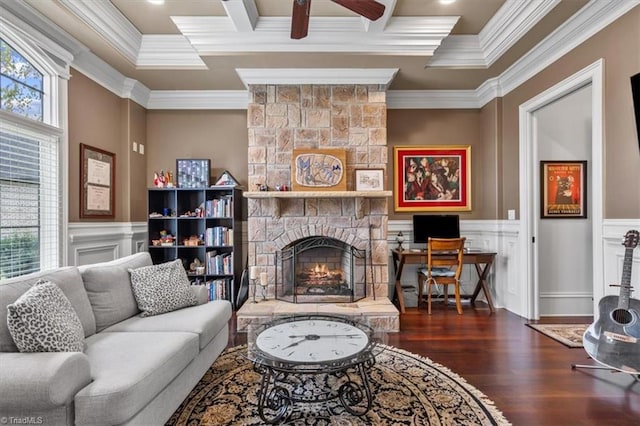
201	293
40	381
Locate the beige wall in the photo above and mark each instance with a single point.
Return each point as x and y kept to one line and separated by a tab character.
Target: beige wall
97	118
619	45
220	136
103	120
441	127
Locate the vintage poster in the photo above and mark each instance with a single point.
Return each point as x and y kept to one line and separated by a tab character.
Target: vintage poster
563	189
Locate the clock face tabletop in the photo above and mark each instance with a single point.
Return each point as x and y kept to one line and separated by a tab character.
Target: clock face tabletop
311	340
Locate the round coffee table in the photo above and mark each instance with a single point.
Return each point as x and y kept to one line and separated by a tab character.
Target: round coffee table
313	359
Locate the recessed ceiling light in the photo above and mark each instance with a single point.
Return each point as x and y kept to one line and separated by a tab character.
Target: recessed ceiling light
156	1
447	1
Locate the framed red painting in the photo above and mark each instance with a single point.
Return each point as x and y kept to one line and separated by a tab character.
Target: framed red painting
563	189
432	178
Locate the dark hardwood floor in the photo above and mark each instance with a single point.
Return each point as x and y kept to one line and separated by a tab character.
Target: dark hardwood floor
526	374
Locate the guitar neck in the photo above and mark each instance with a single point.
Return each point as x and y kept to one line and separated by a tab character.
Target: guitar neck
625	284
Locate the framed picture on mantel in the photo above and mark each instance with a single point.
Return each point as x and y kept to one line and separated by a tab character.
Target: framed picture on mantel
319	170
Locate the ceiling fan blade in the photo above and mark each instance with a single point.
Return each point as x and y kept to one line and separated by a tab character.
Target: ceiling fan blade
370	9
300	18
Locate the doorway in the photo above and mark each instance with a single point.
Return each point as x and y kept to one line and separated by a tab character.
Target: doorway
536	263
564	247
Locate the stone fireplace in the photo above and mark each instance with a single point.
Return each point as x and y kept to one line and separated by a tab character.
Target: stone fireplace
323	251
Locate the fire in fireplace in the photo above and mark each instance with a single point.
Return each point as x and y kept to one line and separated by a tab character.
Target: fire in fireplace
320	269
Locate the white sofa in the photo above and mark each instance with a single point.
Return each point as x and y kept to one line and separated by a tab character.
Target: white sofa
133	370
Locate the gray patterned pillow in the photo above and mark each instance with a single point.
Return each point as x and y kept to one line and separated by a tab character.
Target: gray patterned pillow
161	288
43	320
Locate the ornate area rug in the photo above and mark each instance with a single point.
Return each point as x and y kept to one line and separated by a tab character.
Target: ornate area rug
568	334
407	390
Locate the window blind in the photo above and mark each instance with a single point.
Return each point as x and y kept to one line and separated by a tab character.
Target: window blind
30	201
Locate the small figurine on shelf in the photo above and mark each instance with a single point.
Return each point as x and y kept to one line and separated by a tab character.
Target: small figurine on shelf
169	181
159	179
166	239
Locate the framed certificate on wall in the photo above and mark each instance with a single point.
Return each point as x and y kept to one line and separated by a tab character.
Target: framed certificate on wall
97	182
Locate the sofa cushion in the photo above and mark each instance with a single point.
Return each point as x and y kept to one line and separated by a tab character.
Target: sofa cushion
161	288
69	281
43	320
207	320
108	286
128	371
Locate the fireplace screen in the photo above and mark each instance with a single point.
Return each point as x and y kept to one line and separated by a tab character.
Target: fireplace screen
321	270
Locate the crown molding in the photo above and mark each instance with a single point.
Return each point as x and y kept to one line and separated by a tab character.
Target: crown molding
109	78
432	99
198	99
32	25
105	19
592	18
589	20
512	21
291	76
168	52
210	35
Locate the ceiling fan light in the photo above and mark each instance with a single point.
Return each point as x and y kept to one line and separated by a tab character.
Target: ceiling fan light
447	1
156	1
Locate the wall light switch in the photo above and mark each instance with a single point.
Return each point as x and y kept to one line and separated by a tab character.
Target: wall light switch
511	214
135	147
141	149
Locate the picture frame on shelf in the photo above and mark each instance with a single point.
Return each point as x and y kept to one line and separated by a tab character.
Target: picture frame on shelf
369	179
563	189
97	182
432	178
193	173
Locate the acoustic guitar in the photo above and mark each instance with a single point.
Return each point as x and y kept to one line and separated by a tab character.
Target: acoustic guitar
614	340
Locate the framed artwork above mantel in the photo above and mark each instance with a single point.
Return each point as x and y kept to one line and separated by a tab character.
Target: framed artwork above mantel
319	169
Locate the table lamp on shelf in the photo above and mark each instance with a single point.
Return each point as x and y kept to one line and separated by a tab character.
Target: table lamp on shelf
400	240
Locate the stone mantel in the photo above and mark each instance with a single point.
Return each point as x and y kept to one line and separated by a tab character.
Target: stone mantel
276	196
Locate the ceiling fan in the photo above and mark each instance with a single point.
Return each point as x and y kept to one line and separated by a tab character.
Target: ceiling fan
370	9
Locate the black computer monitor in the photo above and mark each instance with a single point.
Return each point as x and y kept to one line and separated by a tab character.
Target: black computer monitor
435	226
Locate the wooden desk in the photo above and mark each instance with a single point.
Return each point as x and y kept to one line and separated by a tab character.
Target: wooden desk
481	260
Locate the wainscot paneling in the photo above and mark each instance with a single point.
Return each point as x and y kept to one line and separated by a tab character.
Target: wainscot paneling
488	235
92	242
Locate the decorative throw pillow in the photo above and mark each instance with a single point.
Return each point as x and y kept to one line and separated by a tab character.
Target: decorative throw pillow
161	288
43	320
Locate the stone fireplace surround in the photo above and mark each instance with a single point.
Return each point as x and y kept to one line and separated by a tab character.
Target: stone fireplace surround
286	117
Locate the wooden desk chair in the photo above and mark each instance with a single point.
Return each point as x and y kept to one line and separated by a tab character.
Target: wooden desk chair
444	265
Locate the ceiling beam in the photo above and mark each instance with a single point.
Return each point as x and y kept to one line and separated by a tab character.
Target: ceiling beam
243	14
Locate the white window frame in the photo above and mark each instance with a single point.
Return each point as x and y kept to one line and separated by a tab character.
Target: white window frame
54	124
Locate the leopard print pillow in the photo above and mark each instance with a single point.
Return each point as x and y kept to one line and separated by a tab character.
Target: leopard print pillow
43	320
161	288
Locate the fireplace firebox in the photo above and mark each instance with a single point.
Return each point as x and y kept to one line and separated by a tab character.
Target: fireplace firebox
321	269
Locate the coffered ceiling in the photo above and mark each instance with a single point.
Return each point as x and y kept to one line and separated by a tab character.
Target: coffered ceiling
199	44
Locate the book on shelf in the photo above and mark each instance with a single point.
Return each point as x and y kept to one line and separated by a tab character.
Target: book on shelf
219	264
218	236
219	207
217	289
